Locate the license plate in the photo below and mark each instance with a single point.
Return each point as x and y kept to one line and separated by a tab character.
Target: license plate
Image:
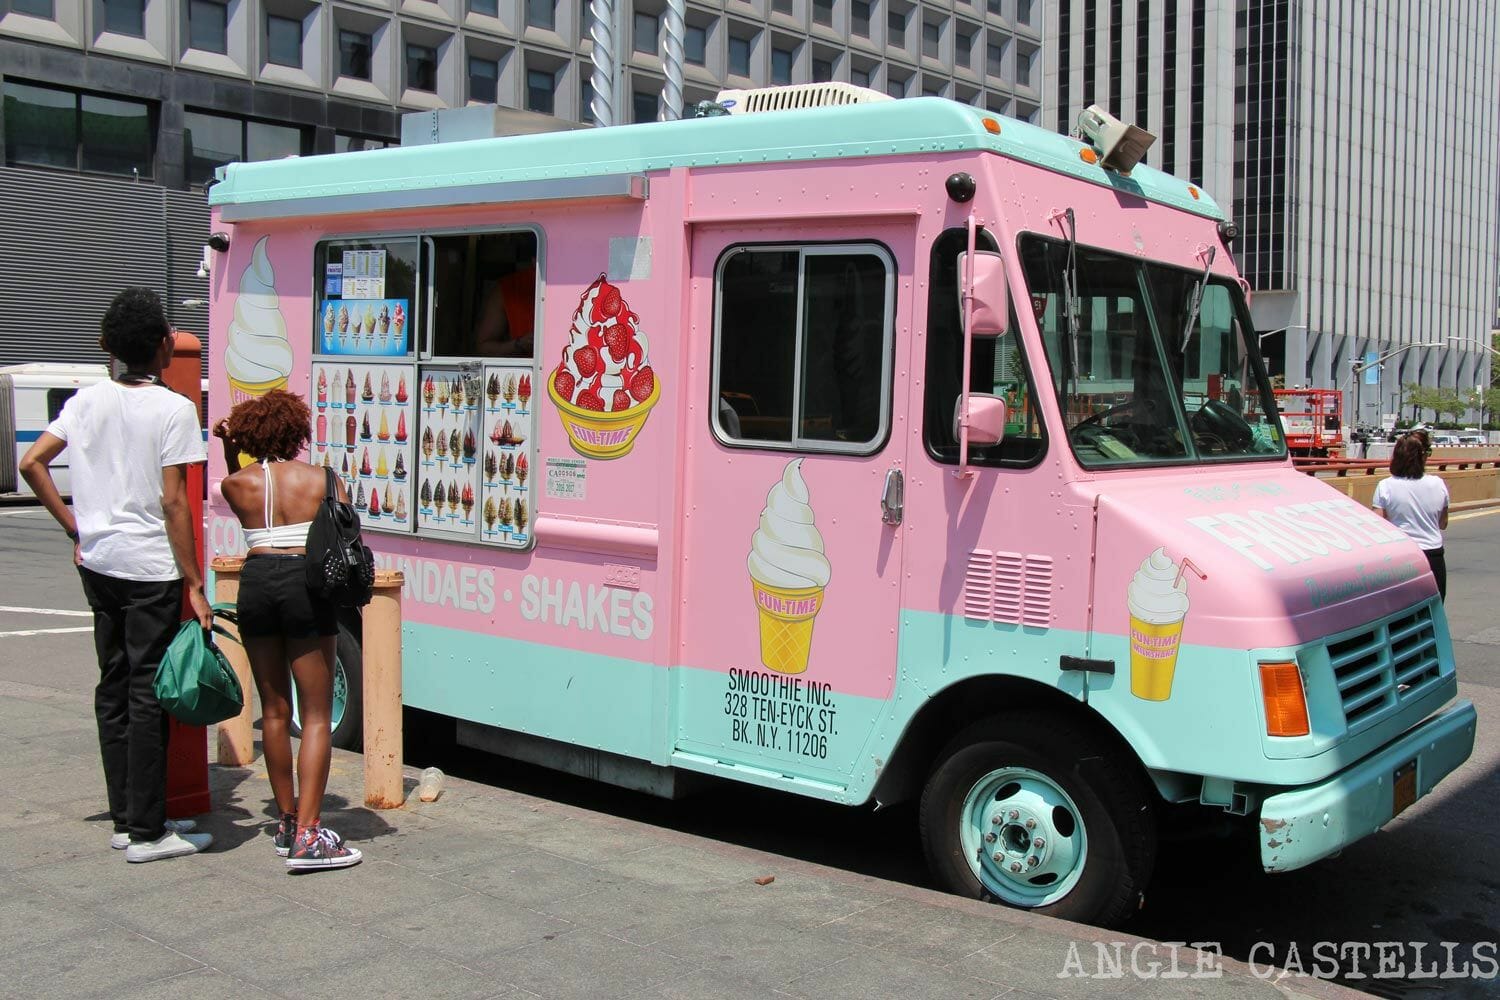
1404	787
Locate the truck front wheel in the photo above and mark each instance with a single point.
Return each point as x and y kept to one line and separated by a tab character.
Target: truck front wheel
1034	811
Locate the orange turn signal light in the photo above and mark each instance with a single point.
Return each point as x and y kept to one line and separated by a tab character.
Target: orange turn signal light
1286	704
991	126
1087	155
1193	191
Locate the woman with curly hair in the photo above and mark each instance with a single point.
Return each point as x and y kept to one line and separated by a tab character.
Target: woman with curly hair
1416	503
281	622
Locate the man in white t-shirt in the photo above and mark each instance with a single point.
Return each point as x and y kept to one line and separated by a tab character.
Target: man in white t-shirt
131	441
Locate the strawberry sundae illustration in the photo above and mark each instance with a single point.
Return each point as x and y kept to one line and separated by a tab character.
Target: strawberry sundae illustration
605	386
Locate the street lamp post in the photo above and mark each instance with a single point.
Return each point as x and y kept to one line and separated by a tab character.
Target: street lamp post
1478	386
1358	368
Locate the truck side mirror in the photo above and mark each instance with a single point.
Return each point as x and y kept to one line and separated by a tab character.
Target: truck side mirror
987	415
990	291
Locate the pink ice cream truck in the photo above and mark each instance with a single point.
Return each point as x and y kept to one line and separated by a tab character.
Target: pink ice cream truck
871	451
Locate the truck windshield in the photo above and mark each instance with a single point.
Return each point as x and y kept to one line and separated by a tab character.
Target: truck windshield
1137	383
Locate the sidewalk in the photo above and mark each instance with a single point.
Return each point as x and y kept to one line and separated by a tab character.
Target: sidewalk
484	893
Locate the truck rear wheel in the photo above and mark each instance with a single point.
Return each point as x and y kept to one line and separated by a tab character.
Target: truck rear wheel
1035	812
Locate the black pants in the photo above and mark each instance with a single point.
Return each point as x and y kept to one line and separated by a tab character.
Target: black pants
134	622
1439	567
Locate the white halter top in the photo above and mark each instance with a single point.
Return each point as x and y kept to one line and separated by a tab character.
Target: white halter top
285	536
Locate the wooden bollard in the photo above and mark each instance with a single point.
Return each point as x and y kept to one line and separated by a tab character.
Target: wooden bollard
382	670
236	735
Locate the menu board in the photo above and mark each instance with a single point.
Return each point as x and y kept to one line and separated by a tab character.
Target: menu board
369	328
508	505
364	423
448	459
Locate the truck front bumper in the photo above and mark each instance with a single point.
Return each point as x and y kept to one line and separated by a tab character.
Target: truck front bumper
1303	825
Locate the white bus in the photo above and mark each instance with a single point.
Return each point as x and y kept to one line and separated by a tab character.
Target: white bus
31	397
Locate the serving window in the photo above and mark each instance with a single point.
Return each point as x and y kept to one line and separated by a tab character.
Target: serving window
484	295
426	411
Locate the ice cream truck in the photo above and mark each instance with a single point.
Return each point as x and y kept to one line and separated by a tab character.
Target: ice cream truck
871	450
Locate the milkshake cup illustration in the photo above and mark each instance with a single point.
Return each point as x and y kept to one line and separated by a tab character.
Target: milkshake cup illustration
1158	603
258	357
788	573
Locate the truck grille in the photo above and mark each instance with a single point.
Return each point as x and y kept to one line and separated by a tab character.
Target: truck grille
1384	666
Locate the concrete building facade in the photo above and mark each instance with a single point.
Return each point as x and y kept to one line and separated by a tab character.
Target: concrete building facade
1356	143
115	113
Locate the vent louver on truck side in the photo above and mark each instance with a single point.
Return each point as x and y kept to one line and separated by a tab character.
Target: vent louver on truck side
1008	587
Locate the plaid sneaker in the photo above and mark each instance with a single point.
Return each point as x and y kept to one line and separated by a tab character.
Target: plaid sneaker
286	834
320	847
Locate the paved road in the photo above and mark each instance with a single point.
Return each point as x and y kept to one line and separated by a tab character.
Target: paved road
1429	878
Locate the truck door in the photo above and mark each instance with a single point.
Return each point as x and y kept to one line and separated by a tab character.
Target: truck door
791	575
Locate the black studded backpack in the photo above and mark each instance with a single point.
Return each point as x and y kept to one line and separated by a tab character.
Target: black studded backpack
340	567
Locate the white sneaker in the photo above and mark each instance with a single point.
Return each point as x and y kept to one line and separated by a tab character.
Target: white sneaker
169	845
120	841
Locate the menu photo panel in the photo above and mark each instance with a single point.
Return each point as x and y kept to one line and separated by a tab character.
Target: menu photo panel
364	426
448	452
508	504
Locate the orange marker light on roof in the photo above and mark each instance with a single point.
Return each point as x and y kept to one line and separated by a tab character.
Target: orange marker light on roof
1193	191
1286	705
1087	155
991	126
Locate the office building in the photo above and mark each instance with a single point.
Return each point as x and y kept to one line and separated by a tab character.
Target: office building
1355	144
116	112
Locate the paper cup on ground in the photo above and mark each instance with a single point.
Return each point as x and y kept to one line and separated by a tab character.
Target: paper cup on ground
603	435
786	625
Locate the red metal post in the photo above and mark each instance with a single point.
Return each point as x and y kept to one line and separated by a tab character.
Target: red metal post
187	746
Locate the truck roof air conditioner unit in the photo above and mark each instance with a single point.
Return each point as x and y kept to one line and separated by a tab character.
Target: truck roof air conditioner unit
796	97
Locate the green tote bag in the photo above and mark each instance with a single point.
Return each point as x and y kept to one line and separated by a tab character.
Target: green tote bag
194	681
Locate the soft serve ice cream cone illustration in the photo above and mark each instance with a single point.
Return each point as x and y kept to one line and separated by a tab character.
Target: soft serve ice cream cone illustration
1158	602
788	573
258	357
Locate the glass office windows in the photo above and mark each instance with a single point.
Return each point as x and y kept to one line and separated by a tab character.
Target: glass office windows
695	45
421	67
781	65
739	56
283	41
484	79
645	33
125	17
541	91
208	26
354	54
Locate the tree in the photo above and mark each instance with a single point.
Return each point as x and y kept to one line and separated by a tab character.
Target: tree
1451	401
1422	397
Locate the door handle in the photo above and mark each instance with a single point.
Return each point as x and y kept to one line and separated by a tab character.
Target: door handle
893	497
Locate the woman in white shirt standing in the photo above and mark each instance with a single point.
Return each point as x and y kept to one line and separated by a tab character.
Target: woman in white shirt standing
1416	503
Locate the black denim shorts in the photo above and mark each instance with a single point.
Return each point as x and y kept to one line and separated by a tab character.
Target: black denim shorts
274	600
